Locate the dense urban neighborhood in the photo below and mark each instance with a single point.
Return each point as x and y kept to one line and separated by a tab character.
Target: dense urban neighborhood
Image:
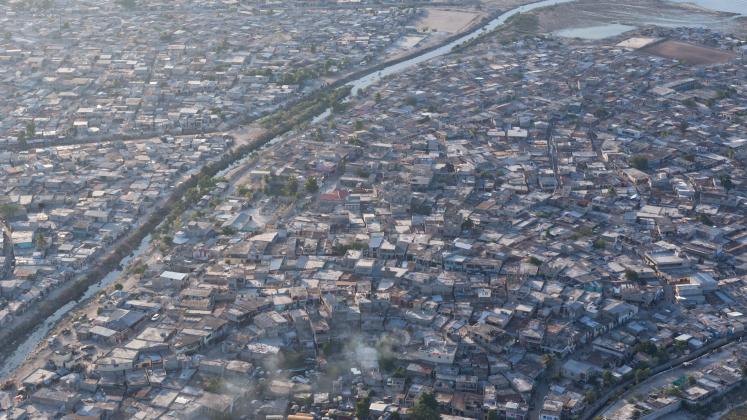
174	67
529	226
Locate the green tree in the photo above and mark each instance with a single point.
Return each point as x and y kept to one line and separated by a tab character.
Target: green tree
22	139
705	219
311	185
118	286
245	191
601	113
639	162
641	374
377	97
607	377
139	269
362	408
725	180
387	363
30	129
40	242
291	187
215	385
535	261
647	347
8	211
631	275
318	134
590	396
426	408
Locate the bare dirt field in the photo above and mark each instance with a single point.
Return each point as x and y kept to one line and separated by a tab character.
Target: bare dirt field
447	20
688	53
437	25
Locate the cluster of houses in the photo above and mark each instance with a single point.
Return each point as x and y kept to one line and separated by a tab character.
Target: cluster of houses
65	207
514	229
102	71
693	387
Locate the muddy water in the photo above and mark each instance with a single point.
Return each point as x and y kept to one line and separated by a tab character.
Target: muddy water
595	32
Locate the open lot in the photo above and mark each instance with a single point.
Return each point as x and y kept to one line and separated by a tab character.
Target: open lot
447	20
688	53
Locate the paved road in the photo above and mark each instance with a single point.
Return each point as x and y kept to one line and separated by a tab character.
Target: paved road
666	378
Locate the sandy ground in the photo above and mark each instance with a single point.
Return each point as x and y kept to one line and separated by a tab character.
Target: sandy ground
435	26
246	134
446	20
587	13
688	53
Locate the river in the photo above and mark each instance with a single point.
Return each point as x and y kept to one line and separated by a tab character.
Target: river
373	77
14	360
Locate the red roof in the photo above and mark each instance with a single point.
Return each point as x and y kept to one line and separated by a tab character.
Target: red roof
336	195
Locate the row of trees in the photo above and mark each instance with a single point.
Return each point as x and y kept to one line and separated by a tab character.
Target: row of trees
288	188
305	110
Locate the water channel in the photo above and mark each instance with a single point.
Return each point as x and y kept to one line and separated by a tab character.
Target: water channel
25	348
